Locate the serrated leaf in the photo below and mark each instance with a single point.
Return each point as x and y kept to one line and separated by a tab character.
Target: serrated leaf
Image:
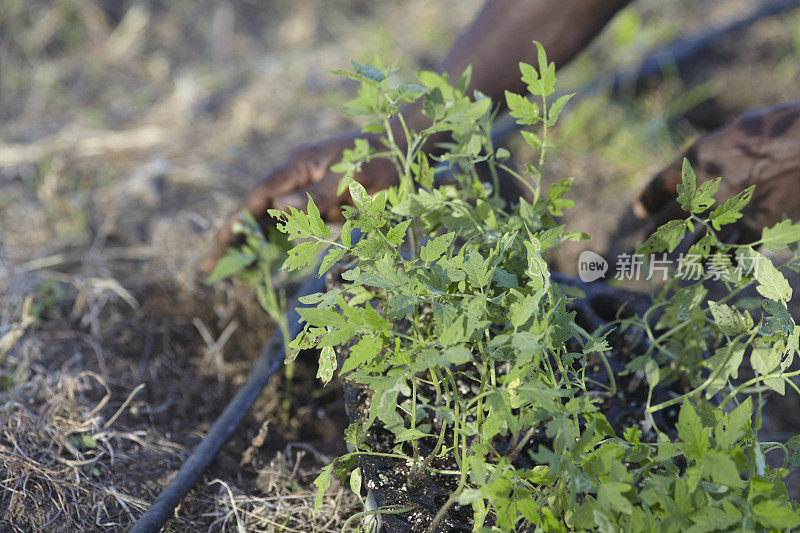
362	353
724	365
477	269
704	196
665	239
436	247
611	496
691	432
321	317
397	234
778	321
522	109
323	483
333	256
400	306
531	138
771	283
781	235
730	211
556	108
529	74
301	256
711	519
721	469
729	319
361	198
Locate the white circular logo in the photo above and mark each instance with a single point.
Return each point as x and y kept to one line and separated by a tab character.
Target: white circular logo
591	266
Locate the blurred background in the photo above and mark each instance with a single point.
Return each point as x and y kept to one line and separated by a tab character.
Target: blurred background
130	129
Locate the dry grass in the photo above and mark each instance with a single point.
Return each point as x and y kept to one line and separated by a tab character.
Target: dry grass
129	130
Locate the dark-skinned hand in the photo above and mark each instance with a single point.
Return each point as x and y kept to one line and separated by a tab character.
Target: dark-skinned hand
760	148
306	171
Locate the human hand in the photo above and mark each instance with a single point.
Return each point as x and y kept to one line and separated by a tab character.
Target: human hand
306	171
760	148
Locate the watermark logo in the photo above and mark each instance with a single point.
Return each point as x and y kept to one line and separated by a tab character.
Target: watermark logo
591	266
718	266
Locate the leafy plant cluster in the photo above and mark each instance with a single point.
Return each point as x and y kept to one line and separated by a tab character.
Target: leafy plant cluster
449	316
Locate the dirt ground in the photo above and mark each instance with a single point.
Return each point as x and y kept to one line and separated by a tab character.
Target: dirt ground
129	130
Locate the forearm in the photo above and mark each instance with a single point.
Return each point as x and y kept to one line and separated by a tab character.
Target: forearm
502	35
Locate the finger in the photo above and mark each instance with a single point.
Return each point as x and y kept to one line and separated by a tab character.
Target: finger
659	192
375	176
322	192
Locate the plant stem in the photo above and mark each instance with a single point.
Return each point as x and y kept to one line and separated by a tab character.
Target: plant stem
456	493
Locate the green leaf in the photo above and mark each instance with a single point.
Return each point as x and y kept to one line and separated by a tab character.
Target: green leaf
477	269
765	356
463	81
369	72
522	109
781	235
521	311
729	319
301	255
361	198
362	353
297	224
322	317
434	106
665	239
436	247
529	74
555	109
501	154
771	283
704	197
531	138
778	321
547	73
652	373
730	211
611	496
687	187
725	364
323	483
776	514
691	432
327	364
397	234
721	469
334	255
233	262
711	519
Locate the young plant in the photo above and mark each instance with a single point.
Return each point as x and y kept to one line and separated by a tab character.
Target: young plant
478	374
255	263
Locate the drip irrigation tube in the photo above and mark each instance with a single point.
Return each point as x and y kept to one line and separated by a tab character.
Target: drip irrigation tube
270	360
680	52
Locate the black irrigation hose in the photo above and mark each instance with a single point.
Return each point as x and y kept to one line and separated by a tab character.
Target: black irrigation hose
270	360
679	52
